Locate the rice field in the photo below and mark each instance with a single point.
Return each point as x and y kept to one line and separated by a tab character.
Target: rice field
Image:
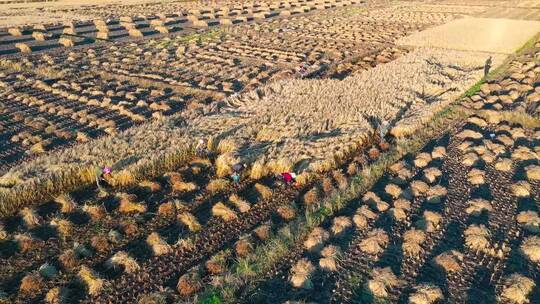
477	34
416	175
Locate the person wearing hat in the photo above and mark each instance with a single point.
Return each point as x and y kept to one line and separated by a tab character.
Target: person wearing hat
101	179
303	71
383	129
201	148
235	177
487	66
237	170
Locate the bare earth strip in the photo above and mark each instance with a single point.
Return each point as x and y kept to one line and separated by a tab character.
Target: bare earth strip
476	34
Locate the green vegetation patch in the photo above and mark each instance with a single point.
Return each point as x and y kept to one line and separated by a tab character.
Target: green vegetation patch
211	298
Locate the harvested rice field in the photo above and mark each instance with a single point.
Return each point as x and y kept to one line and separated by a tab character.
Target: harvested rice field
477	34
297	151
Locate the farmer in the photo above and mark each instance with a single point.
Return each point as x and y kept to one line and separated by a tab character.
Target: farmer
237	170
303	71
200	149
289	178
235	177
362	160
487	66
383	129
101	179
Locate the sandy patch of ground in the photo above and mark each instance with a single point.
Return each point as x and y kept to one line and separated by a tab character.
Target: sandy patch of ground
512	13
476	34
500	3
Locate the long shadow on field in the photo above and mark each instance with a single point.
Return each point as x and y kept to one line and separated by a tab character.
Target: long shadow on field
322	135
481	291
126	162
428	272
392	257
517	263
